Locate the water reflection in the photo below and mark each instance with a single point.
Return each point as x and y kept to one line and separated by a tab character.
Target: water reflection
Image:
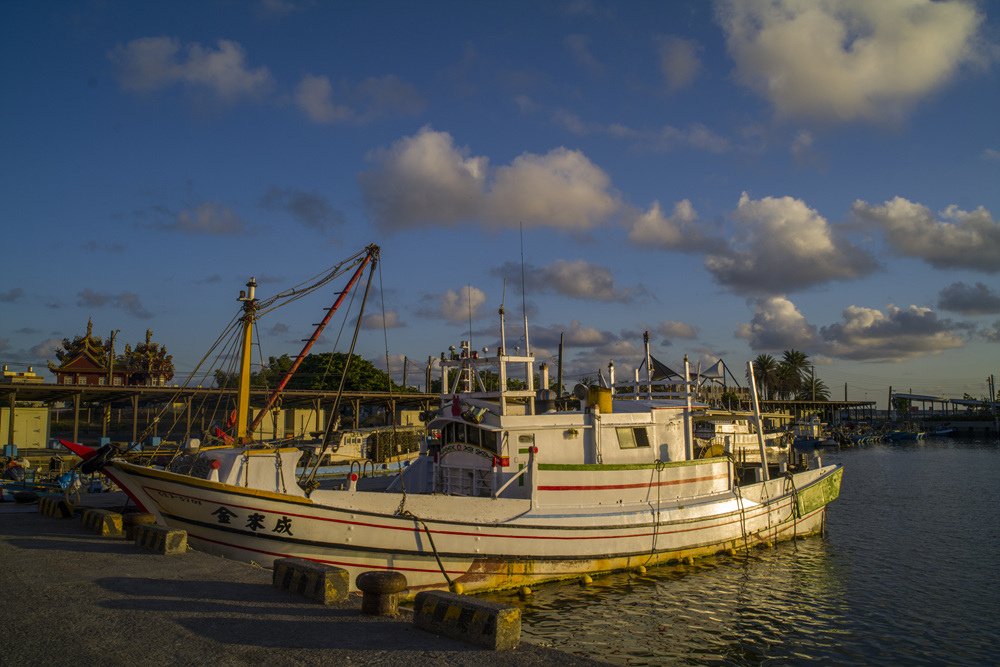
906	573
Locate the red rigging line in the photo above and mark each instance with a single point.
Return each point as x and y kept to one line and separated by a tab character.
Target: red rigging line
371	256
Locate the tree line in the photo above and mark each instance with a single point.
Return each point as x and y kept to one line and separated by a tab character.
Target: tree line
792	378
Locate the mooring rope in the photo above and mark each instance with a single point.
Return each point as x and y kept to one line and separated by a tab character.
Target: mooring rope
410	515
739	498
660	465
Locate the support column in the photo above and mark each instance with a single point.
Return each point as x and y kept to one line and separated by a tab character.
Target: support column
10	420
135	417
76	417
187	422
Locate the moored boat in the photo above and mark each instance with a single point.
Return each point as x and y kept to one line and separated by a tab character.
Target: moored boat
809	435
517	487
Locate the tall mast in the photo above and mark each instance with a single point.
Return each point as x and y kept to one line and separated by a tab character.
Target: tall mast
249	300
371	255
649	374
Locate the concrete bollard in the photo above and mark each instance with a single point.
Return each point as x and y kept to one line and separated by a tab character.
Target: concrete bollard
381	592
161	540
321	583
470	619
132	519
55	507
103	522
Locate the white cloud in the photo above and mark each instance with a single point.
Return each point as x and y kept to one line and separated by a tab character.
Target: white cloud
864	334
149	64
579	47
378	321
991	154
207	218
577	279
678	231
560	189
893	335
959	240
777	325
127	301
976	299
783	245
426	181
574	334
662	140
679	61
12	295
309	208
46	349
582	280
314	96
992	333
454	306
671	329
843	61
361	103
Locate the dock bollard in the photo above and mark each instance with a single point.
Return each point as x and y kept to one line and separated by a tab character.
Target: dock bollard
161	540
132	519
56	507
381	592
103	522
489	624
321	583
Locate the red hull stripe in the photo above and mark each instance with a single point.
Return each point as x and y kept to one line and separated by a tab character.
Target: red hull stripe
749	514
338	563
602	487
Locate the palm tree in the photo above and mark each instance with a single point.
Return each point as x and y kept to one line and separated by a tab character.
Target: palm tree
792	371
814	389
765	371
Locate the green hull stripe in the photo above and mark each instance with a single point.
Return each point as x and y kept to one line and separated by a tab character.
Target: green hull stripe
819	494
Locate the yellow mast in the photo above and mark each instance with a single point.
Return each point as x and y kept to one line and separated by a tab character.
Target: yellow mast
243	395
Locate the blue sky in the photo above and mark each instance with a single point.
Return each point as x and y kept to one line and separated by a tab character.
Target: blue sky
736	178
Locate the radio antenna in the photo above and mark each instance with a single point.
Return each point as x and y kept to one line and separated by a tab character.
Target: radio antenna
524	308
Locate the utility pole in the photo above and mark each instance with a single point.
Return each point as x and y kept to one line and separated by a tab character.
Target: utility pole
993	405
111	380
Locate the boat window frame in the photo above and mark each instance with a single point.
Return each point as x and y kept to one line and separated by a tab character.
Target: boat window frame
632	437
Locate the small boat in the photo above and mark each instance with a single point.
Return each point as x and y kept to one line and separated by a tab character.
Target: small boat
809	435
514	487
941	432
721	433
904	432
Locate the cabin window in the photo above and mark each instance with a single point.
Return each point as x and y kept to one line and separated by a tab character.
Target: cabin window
631	438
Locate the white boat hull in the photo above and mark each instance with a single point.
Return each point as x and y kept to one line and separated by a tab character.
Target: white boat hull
498	542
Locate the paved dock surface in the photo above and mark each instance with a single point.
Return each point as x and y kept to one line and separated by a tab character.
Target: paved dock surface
72	598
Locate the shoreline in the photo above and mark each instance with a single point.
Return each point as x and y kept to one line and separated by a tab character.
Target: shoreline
72	597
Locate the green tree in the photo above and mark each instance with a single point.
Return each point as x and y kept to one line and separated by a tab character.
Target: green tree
814	389
765	370
318	372
792	372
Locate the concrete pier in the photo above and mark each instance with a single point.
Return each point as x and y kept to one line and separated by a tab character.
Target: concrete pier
72	597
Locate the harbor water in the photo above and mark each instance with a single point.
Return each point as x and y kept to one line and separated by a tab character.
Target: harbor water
907	573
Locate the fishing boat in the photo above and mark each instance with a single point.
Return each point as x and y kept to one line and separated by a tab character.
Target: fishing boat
809	435
718	433
905	433
513	487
